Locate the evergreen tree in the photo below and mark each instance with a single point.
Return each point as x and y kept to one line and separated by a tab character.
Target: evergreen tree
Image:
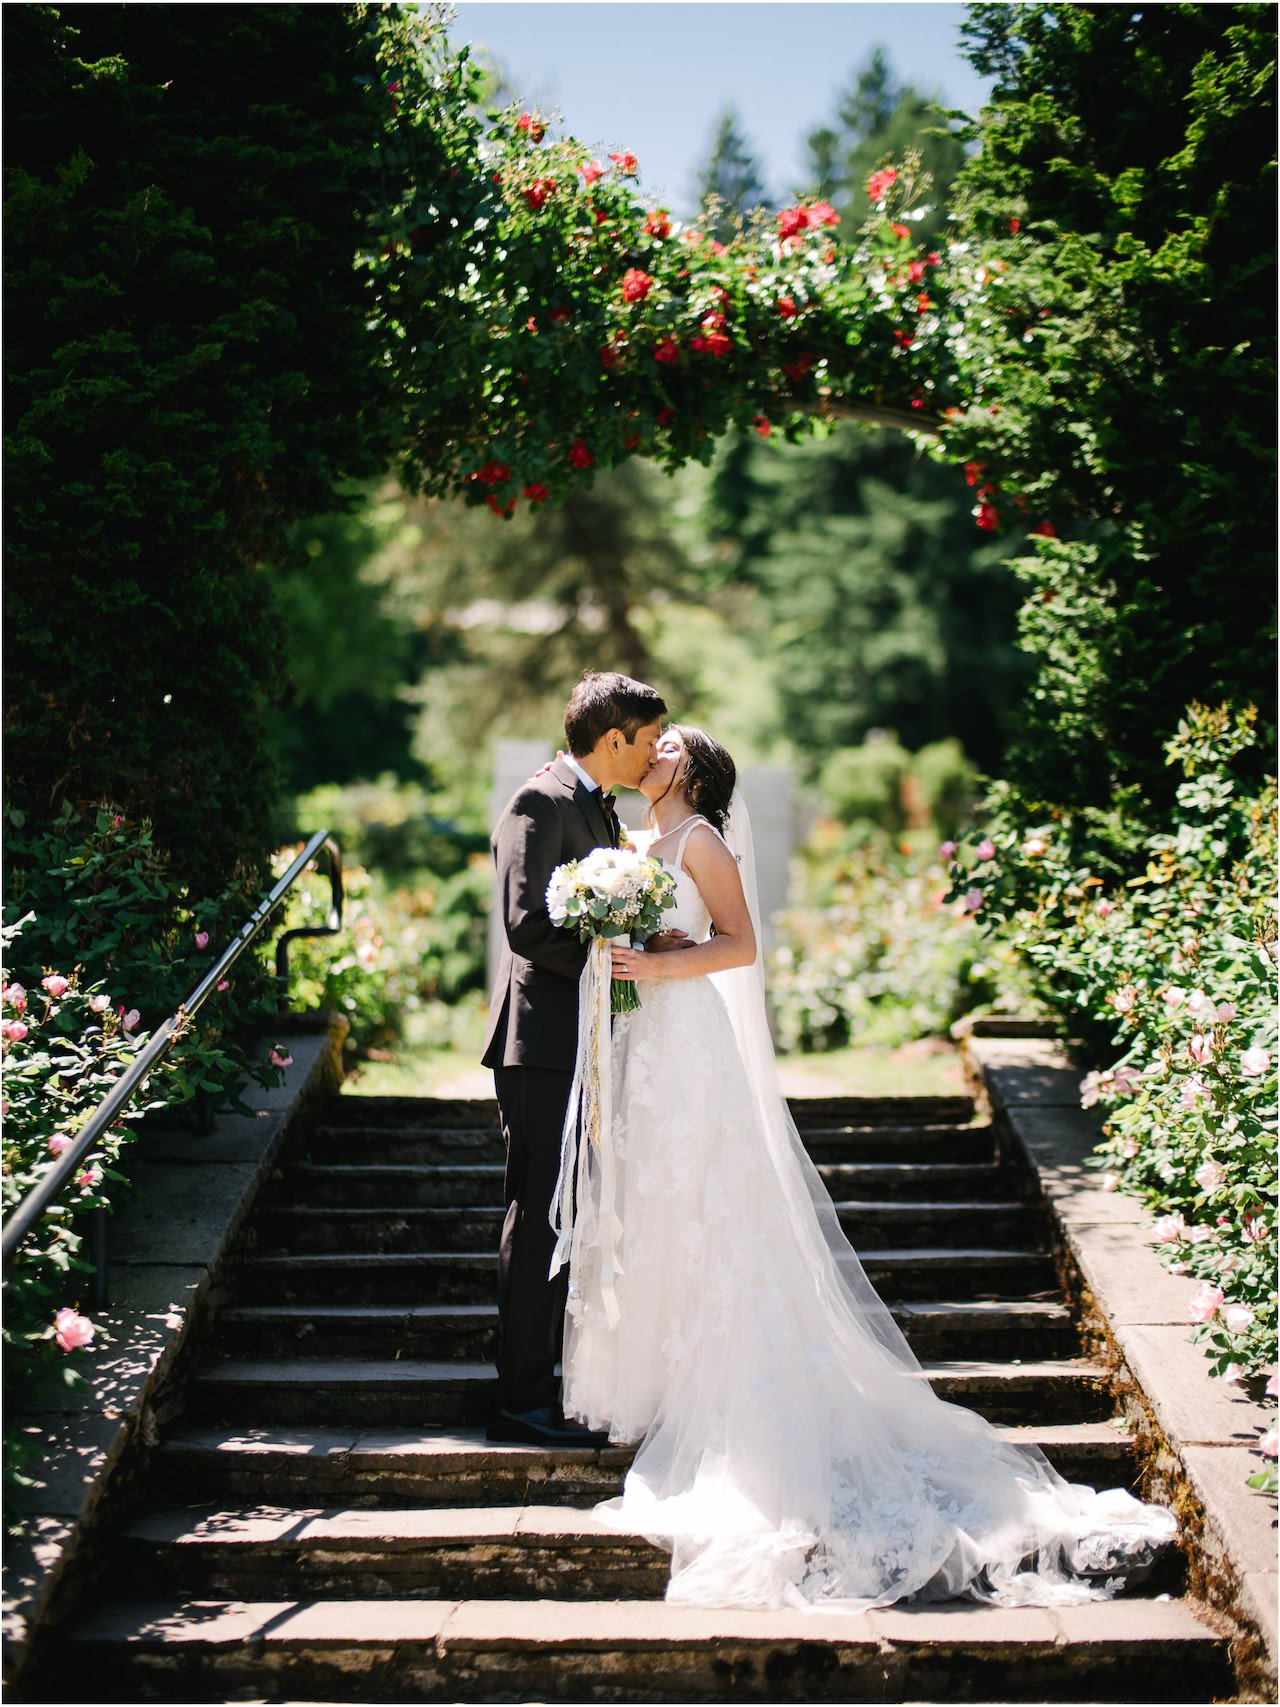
730	181
188	372
876	603
1123	377
877	118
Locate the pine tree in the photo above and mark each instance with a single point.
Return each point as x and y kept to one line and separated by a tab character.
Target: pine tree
730	181
878	118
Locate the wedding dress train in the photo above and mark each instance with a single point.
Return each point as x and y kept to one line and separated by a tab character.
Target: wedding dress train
790	1450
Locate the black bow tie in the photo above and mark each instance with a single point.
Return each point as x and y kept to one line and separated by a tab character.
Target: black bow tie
610	816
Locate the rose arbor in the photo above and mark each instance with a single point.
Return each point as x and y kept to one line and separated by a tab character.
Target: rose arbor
548	320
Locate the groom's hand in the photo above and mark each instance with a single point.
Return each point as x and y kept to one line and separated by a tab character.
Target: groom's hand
665	941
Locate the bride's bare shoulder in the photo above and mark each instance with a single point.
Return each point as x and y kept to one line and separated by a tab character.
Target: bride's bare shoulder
706	847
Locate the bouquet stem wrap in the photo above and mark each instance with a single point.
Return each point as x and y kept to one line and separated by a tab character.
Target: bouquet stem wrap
588	1126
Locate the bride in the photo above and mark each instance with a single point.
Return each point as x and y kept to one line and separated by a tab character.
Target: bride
790	1450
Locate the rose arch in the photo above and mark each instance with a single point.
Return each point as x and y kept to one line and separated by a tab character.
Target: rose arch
545	319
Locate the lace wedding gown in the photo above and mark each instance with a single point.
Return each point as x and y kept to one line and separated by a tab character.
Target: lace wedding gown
791	1452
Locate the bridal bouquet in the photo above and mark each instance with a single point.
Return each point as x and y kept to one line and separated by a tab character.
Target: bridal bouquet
613	892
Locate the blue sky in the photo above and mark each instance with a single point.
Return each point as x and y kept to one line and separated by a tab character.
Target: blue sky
654	77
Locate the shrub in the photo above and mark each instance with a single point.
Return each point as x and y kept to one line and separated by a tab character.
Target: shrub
1176	968
883	785
877	959
866	782
409	944
101	943
190	370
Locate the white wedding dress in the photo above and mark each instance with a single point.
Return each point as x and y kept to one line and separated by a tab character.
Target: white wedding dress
790	1451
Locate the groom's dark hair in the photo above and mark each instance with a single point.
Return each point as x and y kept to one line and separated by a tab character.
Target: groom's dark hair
602	701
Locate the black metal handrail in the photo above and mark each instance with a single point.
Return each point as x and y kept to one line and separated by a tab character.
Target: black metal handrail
25	1214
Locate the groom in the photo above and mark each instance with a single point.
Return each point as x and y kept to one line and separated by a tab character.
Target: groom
611	724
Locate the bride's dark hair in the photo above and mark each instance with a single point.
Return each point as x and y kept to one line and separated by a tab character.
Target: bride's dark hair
708	775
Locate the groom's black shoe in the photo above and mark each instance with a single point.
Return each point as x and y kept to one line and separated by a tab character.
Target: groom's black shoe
547	1426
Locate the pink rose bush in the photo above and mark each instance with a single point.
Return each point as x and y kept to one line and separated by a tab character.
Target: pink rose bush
72	1332
1176	966
117	939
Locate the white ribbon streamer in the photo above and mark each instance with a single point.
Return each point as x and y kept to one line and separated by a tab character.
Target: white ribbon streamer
588	1126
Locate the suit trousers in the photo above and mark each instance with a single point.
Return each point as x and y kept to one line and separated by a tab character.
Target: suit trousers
532	1102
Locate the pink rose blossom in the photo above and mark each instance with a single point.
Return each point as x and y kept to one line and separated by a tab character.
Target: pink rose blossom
986	848
1127	1080
1170	1229
55	984
72	1331
1179	1268
129	1018
1110	1182
1237	1318
1035	847
1206	1303
1267	1443
1194	1092
12	1030
972	900
16	997
1273	1385
1104	908
277	1058
99	1004
1201	1235
58	1144
1200	1047
1124	998
1209	1175
1254	1231
1254	1063
947	850
202	939
89	1178
1195	1001
1226	1013
224	983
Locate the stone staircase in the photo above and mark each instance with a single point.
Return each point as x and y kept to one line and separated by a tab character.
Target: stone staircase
325	1521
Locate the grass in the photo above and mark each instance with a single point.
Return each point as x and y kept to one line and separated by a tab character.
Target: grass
928	1067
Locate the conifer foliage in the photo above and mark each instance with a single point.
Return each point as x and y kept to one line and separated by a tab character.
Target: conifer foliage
188	371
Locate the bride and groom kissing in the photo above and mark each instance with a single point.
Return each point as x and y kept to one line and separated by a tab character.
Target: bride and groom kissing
712	1313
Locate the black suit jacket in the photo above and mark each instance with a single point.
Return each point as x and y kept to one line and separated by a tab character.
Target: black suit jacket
533	1016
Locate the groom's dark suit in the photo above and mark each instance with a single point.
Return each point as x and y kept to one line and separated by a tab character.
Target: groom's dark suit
531	1044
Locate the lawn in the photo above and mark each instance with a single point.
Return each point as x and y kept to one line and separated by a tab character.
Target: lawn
929	1066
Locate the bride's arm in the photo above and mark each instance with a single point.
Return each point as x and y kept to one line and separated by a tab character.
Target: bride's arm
715	871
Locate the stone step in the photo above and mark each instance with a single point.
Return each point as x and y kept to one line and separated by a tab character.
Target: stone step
471	1276
445	1331
923	1144
552	1552
411	1392
810	1112
308	1228
585	1651
415	1112
476	1184
838	1141
325	1466
516	1551
346	1110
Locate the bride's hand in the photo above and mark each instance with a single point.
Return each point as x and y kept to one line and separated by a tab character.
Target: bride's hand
633	964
